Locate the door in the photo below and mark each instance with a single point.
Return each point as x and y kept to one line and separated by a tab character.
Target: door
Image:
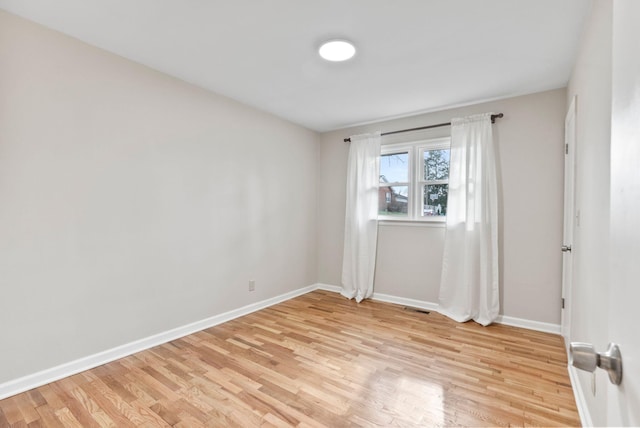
623	401
567	238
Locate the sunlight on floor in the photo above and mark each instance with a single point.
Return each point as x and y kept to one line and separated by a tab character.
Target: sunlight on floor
418	400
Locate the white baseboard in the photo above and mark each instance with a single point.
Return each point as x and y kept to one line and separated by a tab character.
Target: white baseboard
420	304
52	374
529	324
328	287
581	402
431	306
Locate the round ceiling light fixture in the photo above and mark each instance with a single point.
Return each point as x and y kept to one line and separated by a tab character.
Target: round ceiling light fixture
337	50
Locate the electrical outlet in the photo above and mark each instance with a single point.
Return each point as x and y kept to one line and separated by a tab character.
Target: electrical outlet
252	285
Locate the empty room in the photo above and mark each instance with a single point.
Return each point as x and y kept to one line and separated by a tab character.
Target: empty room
319	213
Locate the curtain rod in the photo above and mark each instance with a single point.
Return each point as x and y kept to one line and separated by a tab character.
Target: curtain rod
438	125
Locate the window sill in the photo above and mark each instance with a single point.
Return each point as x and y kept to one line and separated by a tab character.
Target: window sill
412	223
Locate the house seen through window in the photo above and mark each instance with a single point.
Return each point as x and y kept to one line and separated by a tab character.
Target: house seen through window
414	180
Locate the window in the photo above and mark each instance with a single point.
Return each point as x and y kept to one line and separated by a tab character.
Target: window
414	181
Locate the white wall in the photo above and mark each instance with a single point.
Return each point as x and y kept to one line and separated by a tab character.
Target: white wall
132	203
530	146
591	83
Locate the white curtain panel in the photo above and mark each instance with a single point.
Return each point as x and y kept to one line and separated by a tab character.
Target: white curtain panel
361	218
469	284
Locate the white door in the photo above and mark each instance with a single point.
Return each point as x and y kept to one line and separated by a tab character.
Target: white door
623	401
567	238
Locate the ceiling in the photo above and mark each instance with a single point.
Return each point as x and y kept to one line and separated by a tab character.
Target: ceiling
412	55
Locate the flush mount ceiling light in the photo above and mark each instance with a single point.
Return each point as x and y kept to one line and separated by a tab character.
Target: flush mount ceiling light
337	50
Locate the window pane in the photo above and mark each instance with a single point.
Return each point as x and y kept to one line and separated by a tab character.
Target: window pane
435	200
436	164
394	168
393	200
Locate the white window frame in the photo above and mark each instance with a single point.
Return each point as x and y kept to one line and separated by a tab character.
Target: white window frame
415	150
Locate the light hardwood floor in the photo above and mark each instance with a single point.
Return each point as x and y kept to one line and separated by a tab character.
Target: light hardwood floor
320	360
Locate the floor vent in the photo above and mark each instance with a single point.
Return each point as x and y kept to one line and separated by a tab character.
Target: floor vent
421	311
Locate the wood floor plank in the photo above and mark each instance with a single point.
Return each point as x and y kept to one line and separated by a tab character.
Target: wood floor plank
320	360
27	409
4	422
48	417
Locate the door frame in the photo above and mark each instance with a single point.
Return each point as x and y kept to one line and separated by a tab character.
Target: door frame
569	218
